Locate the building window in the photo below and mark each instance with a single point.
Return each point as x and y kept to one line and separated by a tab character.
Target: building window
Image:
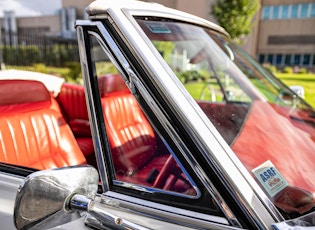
270	58
285	11
279	59
294	11
297	59
306	59
275	12
313	10
304	10
266	12
261	58
287	60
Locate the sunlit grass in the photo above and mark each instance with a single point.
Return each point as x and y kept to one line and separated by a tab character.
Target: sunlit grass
306	80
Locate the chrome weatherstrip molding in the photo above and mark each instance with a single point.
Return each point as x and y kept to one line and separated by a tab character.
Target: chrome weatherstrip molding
173	214
91	106
132	79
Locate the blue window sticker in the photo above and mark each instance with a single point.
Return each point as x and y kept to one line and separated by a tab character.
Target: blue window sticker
270	178
158	28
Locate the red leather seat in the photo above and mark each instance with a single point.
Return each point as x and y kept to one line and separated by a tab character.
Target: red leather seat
33	132
71	99
110	83
131	137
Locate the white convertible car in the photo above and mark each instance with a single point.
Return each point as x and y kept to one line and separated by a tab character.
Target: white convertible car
174	128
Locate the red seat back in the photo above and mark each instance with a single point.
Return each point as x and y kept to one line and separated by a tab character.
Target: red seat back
131	136
33	132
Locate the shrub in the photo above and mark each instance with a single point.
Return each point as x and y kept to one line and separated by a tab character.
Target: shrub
270	68
190	75
40	67
50	55
287	69
74	74
303	70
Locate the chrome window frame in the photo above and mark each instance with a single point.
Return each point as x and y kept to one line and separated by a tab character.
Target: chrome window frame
133	80
247	192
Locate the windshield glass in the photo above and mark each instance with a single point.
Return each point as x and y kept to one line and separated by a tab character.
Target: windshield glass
270	86
270	129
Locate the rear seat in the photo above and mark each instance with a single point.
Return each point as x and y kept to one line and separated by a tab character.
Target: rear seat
71	99
33	132
131	137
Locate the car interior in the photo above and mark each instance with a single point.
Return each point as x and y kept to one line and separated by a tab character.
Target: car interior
33	130
42	131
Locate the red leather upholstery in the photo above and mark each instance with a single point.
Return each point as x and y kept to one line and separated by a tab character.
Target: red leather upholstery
33	132
72	102
130	134
71	99
110	83
133	143
15	96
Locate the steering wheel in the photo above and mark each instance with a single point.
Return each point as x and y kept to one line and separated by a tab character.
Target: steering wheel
168	177
166	171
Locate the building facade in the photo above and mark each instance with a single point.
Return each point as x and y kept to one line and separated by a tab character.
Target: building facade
286	34
283	30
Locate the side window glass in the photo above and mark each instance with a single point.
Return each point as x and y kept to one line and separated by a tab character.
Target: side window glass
139	156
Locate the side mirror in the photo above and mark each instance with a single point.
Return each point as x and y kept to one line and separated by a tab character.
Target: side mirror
42	200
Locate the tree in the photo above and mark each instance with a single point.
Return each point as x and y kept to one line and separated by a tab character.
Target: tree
236	16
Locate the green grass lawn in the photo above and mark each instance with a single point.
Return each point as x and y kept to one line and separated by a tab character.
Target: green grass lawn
306	80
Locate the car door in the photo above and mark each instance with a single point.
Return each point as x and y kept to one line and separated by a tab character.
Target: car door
150	160
9	184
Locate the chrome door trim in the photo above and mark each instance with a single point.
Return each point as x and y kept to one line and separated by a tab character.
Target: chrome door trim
231	168
132	79
173	215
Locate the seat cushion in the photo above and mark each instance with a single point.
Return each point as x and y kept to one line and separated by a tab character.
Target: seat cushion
40	140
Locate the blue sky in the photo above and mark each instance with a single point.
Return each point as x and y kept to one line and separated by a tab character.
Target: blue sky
30	7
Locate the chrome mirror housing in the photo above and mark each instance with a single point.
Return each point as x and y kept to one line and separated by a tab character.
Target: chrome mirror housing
42	200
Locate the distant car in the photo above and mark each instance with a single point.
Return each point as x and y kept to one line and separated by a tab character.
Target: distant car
174	128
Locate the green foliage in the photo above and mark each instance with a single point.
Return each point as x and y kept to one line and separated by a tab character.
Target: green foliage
270	68
303	70
22	55
40	67
287	69
103	68
74	74
165	49
54	55
235	16
191	76
70	73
